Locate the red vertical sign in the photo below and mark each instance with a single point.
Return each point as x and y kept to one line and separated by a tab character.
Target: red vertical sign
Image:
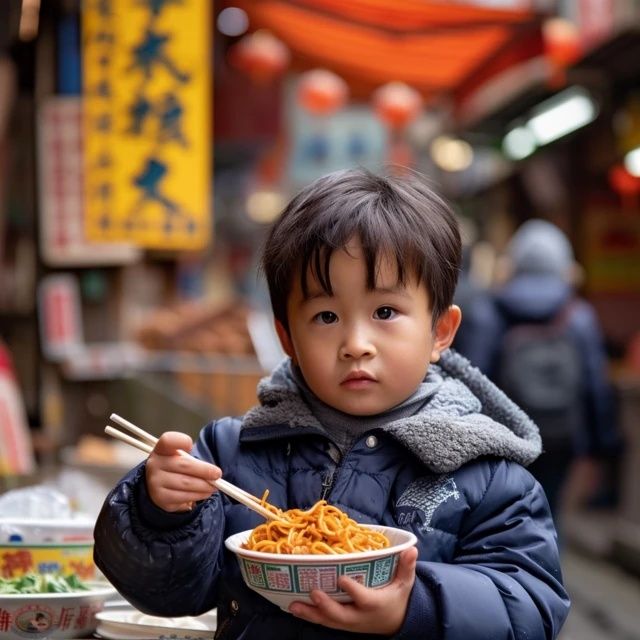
60	319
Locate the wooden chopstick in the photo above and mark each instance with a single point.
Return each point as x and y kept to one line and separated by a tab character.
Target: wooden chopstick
118	435
147	443
129	426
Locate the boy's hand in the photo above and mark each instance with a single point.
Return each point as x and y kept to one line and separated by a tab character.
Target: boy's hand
175	482
380	611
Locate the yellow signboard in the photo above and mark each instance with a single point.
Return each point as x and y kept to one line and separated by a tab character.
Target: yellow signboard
147	115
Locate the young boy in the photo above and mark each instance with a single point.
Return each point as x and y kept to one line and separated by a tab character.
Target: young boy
372	412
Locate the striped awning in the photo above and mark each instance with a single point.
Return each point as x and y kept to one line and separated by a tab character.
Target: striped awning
436	47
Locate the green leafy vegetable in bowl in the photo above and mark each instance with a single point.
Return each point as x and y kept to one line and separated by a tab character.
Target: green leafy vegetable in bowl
42	583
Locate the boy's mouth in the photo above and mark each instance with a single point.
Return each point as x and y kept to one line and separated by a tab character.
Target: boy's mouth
357	379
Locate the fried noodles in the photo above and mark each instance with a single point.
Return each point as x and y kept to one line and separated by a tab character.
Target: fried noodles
322	529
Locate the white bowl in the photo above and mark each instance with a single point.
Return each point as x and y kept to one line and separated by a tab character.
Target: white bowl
52	615
129	624
46	531
286	578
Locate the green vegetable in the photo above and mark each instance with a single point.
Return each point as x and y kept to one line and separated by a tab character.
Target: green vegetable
42	583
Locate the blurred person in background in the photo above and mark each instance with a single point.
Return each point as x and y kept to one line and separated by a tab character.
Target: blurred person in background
542	344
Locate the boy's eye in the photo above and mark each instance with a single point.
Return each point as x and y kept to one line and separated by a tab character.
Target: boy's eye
384	313
325	317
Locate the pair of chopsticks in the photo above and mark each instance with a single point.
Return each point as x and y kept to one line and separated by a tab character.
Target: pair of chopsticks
147	442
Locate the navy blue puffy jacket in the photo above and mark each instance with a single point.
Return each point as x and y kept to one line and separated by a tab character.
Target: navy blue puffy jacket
488	563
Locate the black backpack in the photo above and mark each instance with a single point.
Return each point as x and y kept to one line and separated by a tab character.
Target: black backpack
540	369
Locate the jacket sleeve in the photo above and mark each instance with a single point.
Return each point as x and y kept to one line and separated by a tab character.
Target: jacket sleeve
505	580
163	563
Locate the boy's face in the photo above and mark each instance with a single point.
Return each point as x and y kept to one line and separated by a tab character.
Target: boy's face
363	351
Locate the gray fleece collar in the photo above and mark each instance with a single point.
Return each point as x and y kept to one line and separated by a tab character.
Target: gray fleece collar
467	418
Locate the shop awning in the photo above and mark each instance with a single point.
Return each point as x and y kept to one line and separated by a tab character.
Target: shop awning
436	48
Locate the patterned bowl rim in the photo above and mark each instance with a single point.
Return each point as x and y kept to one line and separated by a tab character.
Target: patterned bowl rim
83	543
49	523
234	541
96	590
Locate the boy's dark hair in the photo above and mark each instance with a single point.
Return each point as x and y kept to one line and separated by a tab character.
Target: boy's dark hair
400	215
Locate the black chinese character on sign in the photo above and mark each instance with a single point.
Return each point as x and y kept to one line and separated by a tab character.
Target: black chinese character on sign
105	191
148	181
104	160
150	53
139	111
156	6
170	113
104	8
105	37
103	89
104	122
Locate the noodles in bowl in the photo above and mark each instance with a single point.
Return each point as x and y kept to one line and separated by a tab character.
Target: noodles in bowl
289	575
322	529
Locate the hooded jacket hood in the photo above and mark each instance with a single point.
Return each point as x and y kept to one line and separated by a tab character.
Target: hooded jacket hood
467	417
542	260
533	297
542	248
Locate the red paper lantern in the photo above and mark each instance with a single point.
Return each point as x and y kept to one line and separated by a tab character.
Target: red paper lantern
322	92
625	185
562	47
260	55
561	41
397	104
623	182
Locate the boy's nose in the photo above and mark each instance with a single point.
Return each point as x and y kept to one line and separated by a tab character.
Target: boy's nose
356	345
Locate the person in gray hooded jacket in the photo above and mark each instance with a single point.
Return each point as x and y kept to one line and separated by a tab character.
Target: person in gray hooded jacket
541	292
371	411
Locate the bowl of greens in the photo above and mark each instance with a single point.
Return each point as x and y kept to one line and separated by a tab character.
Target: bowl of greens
51	606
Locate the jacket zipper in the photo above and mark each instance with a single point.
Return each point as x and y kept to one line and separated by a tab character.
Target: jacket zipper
329	477
327	483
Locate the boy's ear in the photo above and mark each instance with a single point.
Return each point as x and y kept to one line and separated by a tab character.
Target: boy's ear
285	340
445	331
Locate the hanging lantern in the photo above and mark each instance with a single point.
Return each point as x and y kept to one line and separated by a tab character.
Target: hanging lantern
622	181
562	47
625	185
260	55
397	104
322	92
